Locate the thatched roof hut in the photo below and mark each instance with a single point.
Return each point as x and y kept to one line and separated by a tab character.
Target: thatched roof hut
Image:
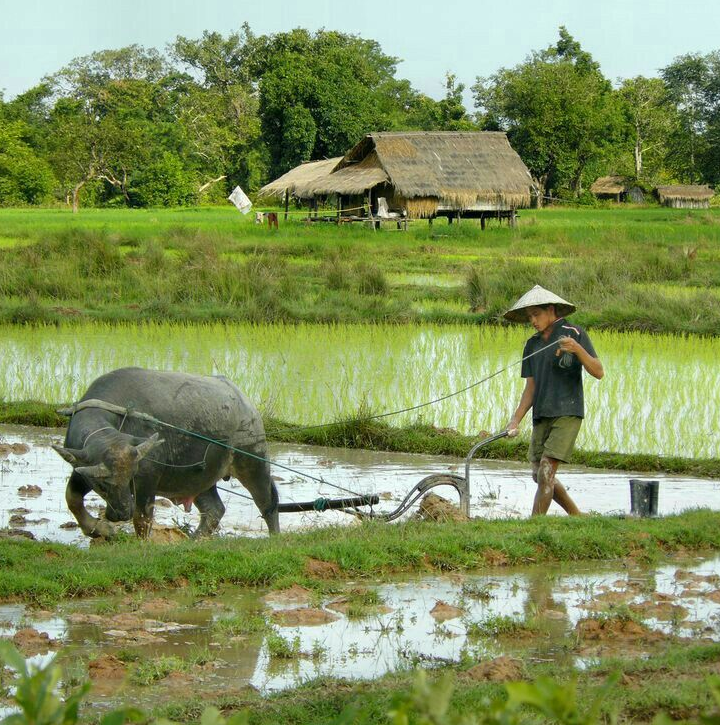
420	173
609	186
617	188
426	173
301	181
685	196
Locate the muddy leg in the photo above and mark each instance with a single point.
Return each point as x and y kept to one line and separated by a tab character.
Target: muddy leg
562	498
211	510
255	476
75	493
545	478
143	515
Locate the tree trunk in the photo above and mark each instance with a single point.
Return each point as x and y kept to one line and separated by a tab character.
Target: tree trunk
76	197
638	154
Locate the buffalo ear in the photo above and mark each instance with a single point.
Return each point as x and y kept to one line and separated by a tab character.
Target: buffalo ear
146	446
98	471
73	456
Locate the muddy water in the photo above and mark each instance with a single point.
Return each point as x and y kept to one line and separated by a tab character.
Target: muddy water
32	487
414	621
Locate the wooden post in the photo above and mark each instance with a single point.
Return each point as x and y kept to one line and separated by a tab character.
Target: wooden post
482	222
450	219
287	203
339	207
513	219
370	211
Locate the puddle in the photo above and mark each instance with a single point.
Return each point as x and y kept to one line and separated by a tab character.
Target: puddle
32	487
144	647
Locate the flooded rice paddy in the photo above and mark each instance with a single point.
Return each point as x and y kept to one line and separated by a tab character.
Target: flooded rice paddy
660	395
33	479
150	646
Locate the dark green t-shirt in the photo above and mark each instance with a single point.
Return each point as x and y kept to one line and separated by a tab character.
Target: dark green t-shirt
558	380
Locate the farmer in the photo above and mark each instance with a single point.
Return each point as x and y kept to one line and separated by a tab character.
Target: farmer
553	389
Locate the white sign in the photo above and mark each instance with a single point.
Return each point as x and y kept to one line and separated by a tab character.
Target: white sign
239	198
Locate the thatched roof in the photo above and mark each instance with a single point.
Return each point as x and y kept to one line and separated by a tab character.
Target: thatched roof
609	185
300	181
457	169
685	192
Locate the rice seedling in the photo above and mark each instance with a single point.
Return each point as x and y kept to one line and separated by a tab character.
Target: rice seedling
660	395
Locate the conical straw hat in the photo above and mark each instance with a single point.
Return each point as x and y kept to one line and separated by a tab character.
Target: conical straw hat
538	296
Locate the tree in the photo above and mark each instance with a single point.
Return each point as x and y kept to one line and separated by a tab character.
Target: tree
558	110
319	93
693	85
652	120
25	177
219	114
453	116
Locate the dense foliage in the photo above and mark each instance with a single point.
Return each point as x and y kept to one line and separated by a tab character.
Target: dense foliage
138	127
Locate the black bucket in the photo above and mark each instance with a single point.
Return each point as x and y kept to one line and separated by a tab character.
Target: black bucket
644	497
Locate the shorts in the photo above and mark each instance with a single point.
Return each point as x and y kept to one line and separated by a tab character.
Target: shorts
554	438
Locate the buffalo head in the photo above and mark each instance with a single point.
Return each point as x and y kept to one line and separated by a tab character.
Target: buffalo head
108	467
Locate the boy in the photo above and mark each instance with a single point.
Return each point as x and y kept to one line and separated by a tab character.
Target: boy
553	389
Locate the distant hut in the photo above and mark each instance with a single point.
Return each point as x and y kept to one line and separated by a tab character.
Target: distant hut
685	196
430	174
422	175
617	188
300	183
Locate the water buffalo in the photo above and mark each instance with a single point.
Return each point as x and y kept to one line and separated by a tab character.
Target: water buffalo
129	461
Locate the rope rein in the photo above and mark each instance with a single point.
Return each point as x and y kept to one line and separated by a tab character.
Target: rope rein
127	411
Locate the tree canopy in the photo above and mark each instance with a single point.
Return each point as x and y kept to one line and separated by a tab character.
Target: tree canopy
141	127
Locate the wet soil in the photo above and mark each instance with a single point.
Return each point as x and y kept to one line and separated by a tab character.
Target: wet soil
566	613
34	478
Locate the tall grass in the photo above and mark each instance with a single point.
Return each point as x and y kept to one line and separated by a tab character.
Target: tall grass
660	395
626	269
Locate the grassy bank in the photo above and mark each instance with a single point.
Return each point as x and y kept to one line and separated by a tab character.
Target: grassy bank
43	572
650	269
419	438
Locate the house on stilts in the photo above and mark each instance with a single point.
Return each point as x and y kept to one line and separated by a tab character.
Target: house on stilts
414	175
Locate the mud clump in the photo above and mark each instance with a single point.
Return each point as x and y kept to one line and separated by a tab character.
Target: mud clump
167	535
321	569
437	508
616	629
70	525
31	642
16	534
107	667
443	611
30	491
303	617
17	449
500	669
159	605
494	557
296	593
664	611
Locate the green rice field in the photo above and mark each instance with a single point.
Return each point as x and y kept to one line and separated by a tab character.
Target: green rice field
660	395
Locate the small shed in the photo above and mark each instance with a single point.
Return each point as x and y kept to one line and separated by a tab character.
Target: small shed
685	196
617	188
300	182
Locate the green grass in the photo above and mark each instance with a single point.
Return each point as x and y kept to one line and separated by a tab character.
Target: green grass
28	572
678	682
209	264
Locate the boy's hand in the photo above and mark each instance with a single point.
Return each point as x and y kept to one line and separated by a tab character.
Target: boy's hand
568	344
512	429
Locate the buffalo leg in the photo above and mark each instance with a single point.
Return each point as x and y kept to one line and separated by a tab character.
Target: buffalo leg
75	494
143	514
255	476
211	510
